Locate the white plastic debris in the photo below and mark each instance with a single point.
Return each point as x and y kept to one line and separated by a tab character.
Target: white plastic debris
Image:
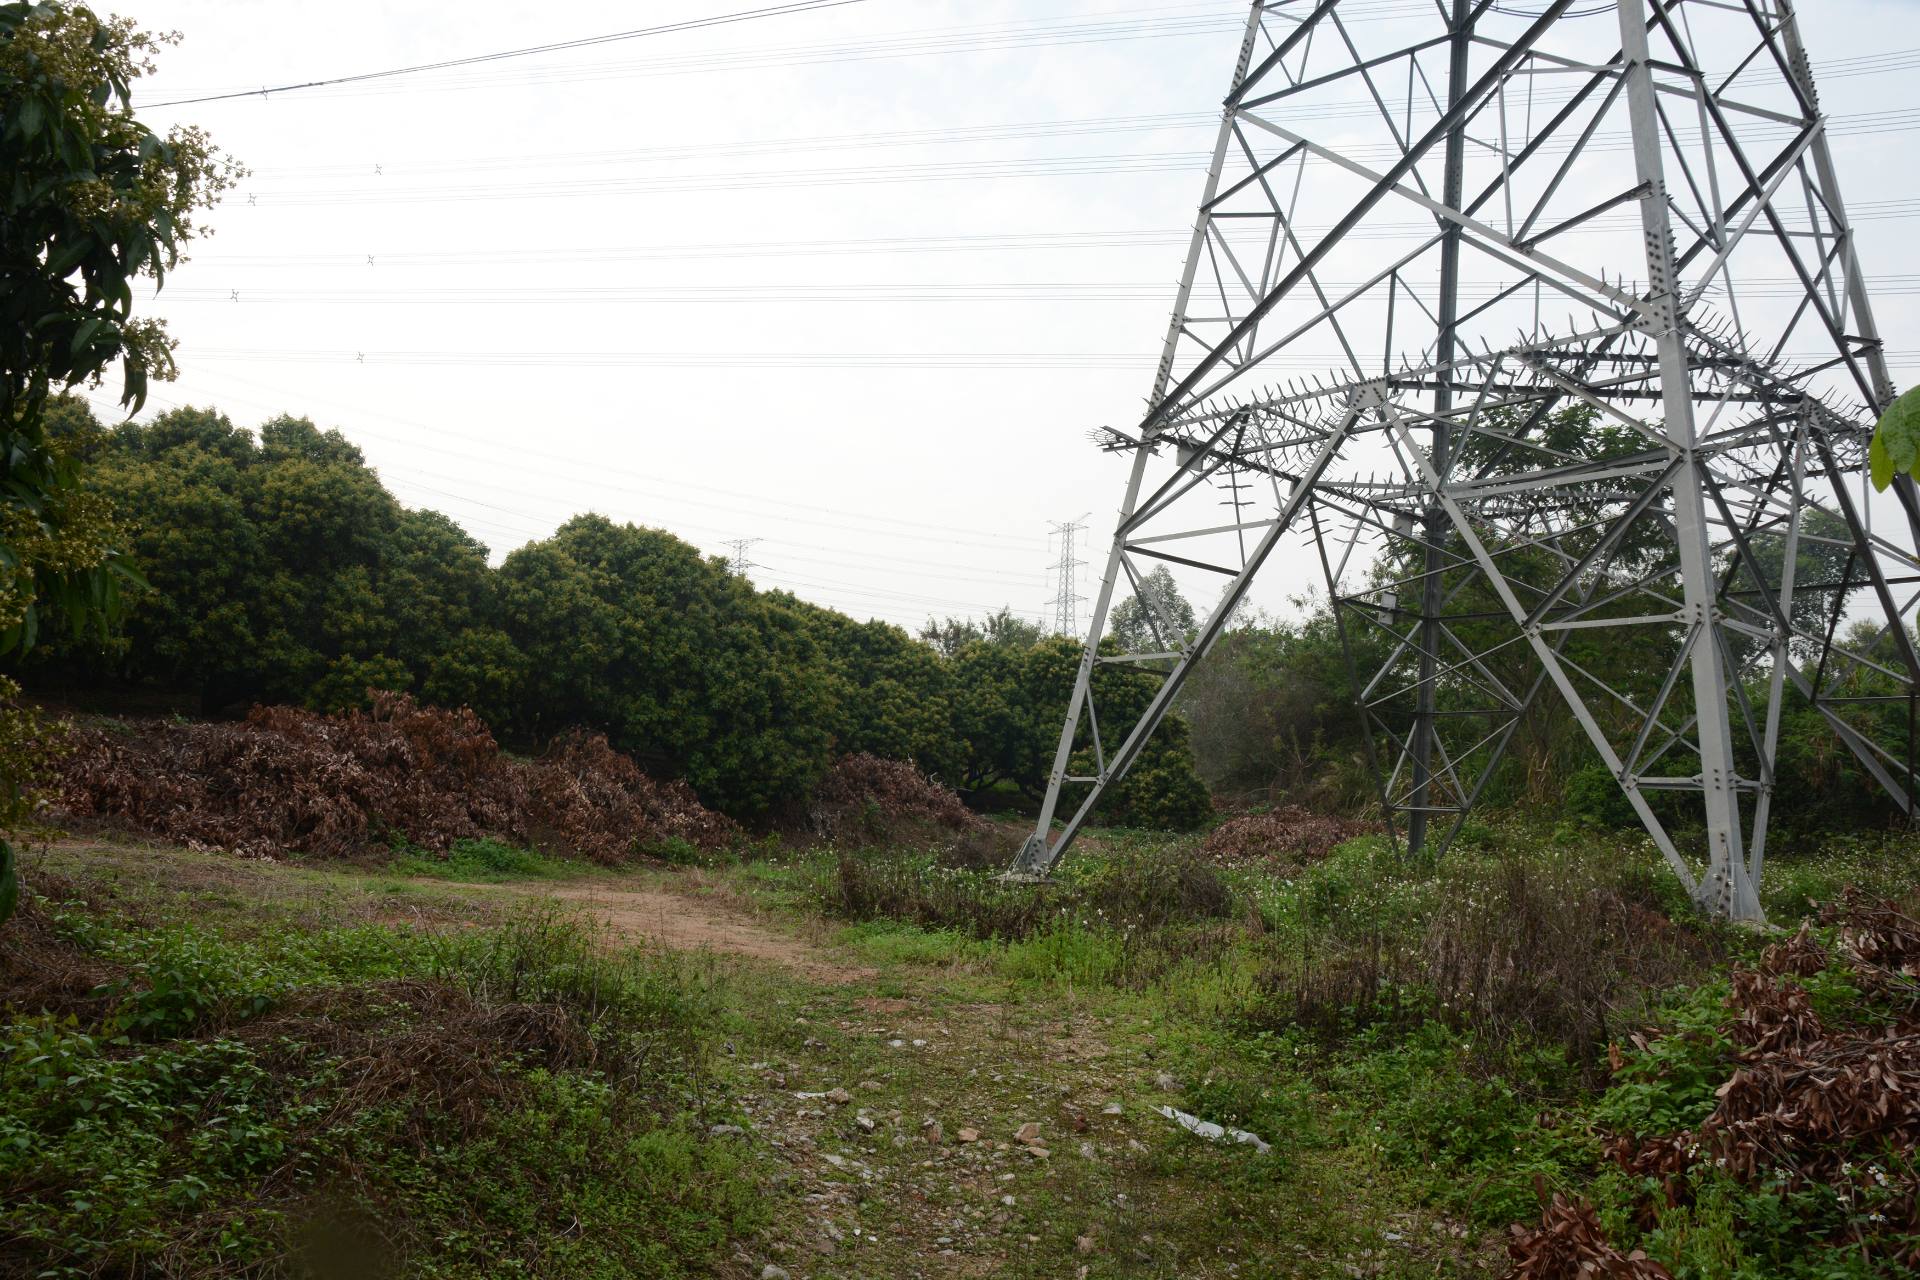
1214	1132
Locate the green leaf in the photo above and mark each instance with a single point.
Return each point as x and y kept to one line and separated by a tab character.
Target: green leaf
1879	463
84	334
1896	441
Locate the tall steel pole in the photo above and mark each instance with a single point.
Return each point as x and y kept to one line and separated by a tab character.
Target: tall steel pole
1439	441
1035	855
1725	889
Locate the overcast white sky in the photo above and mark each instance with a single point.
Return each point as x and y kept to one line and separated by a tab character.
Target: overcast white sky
855	282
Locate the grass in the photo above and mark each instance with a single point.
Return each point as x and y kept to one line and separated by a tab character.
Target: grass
1424	1047
360	1099
484	861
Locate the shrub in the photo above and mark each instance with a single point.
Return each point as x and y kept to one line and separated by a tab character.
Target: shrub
1553	944
1288	837
866	798
1142	891
288	779
501	1101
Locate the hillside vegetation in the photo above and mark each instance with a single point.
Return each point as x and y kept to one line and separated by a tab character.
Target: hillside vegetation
278	569
1530	1060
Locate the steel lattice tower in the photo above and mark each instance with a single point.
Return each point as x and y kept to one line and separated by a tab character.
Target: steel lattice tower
1532	329
1066	594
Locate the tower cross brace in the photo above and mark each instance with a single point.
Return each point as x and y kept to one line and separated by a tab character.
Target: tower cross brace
1536	330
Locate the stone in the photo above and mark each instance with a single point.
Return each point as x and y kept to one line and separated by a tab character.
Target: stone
771	1272
1086	1151
1037	1151
722	1130
931	1131
1007	1201
1083	1243
871	1086
1165	1081
865	1122
1028	1132
838	1096
1113	1109
967	1135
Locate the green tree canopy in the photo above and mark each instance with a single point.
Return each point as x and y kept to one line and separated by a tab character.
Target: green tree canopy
1156	618
93	202
1002	627
635	631
279	568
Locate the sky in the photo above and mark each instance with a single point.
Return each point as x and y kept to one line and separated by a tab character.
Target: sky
856	283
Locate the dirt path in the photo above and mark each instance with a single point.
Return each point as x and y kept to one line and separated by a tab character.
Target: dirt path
683	923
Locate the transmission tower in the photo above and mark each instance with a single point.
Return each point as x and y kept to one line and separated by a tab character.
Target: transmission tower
1595	362
1066	595
737	561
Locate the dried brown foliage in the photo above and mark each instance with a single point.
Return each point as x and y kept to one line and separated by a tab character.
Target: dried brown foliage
1801	955
422	1043
1563	952
292	780
1290	836
1569	1245
864	797
40	972
1813	1102
1667	1157
1881	938
1809	1100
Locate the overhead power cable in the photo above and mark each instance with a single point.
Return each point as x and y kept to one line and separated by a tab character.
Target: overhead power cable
1089	291
1328	360
666	28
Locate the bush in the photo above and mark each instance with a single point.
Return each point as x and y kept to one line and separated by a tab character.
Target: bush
288	779
1286	838
1766	1125
1139	891
1560	945
866	798
504	1101
1593	798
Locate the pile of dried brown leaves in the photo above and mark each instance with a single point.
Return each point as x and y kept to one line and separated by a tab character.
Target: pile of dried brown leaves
1808	1103
866	797
291	780
1569	1245
1291	835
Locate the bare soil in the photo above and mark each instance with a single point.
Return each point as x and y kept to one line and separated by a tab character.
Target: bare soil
654	917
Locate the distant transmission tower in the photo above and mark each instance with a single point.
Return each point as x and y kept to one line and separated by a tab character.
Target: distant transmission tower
1599	373
737	562
1066	596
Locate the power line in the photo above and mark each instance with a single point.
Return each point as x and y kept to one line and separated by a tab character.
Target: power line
1899	60
733	249
692	24
937	40
1306	361
888	294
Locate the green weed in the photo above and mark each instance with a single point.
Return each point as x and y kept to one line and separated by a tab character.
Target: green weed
483	861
